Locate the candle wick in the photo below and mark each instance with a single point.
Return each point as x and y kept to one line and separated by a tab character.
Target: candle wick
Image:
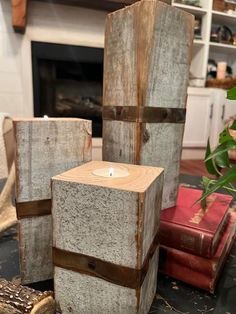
111	172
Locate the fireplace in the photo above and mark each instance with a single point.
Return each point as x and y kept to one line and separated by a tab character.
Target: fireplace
67	82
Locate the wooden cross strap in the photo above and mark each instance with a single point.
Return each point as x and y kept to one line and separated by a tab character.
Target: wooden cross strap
144	114
119	275
33	208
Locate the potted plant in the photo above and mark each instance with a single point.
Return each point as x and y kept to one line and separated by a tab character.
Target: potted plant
218	163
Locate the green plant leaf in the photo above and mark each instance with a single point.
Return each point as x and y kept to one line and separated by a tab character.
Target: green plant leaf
225	136
205	181
233	126
209	164
227	178
231	94
222	160
224	147
205	184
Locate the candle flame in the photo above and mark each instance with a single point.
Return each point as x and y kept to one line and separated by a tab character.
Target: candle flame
111	172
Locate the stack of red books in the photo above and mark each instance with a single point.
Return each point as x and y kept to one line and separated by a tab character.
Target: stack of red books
195	243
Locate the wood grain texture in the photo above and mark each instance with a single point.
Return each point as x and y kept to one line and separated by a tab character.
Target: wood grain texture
148	289
114	215
147	62
19	15
16	299
138	180
44	148
113	219
84	294
35	247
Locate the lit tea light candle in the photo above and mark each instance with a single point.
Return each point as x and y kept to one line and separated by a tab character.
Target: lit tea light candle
111	172
45	116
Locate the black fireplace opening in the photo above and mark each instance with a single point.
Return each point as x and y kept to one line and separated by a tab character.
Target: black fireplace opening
67	82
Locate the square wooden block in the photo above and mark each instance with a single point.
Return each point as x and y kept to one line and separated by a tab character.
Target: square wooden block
105	237
44	148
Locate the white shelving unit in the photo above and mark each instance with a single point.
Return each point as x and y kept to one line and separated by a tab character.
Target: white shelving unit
203	48
207	108
222	48
190	8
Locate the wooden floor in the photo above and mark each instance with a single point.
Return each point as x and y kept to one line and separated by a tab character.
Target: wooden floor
193	167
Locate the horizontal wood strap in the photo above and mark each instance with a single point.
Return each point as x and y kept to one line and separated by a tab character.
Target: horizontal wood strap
144	114
33	208
117	274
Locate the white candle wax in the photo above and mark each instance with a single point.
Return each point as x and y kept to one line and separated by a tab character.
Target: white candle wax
221	70
111	172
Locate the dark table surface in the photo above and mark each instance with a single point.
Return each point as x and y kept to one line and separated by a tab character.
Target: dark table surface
172	295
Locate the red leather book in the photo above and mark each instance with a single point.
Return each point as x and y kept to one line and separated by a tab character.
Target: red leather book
189	228
196	270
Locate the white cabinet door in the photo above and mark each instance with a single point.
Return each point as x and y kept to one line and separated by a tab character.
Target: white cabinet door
198	117
228	110
223	110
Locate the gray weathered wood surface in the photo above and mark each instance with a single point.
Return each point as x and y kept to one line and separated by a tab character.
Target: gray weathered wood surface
85	294
113	219
147	56
44	148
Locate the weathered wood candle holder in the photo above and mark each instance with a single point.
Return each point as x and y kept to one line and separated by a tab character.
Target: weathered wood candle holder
44	147
146	68
16	299
105	237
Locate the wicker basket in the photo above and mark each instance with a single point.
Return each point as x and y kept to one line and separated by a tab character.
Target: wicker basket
226	83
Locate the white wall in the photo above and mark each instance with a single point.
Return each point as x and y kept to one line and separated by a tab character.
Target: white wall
46	23
11	89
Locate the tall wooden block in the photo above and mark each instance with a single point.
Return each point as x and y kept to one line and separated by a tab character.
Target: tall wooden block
147	57
105	237
44	148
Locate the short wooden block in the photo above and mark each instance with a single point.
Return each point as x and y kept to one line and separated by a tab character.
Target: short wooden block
44	148
105	238
146	69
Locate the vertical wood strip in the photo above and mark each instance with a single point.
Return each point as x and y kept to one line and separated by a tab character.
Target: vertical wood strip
19	15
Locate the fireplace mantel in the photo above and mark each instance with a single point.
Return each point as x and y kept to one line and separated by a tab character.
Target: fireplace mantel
19	8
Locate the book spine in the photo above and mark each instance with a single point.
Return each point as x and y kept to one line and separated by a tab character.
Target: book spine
170	256
188	267
187	239
219	233
189	276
